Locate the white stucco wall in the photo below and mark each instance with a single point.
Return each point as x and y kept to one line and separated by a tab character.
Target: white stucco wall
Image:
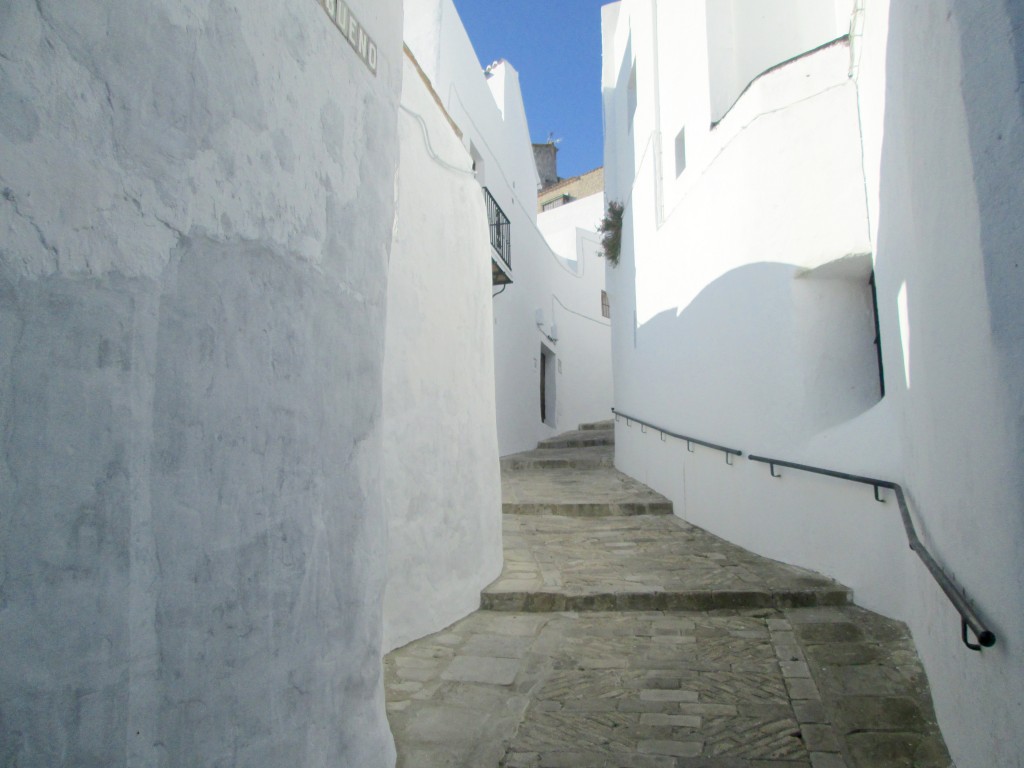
726	299
944	129
566	290
196	226
490	112
746	37
442	483
575	279
742	307
765	352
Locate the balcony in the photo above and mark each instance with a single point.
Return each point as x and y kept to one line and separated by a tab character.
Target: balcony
501	241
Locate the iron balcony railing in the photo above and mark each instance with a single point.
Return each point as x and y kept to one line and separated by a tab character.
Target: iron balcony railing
956	594
501	230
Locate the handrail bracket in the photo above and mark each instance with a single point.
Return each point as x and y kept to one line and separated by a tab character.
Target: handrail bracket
963	634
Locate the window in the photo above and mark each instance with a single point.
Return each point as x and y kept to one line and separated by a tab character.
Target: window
557	202
478	163
681	152
631	97
606	309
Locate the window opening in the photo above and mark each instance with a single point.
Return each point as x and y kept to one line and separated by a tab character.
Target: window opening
606	309
681	152
478	163
631	96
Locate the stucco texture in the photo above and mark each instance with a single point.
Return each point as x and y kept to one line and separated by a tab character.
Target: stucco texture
923	189
192	308
443	495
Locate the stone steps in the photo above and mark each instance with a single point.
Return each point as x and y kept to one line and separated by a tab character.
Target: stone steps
578	492
630	552
640	640
645	563
581	438
591	457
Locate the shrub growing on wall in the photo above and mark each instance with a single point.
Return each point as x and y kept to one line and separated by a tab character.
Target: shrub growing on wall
611	232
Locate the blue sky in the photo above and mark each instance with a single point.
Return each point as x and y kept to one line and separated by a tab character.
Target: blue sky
555	45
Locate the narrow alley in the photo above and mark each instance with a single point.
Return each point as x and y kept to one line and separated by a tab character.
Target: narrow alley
619	635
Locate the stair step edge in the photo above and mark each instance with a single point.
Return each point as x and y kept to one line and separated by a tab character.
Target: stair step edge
554	602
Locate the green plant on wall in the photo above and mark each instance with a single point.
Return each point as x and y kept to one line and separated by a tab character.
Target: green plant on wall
611	232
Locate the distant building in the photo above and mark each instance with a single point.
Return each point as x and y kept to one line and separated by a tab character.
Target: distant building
545	156
567	190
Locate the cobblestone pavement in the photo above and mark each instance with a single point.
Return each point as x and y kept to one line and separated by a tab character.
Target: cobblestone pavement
807	688
732	671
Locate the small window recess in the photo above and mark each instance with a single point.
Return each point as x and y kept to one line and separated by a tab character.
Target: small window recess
631	96
606	309
681	152
478	163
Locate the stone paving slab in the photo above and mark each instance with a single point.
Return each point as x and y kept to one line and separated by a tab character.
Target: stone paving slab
662	689
579	492
646	562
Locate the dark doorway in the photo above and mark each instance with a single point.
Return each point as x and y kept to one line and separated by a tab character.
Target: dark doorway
548	368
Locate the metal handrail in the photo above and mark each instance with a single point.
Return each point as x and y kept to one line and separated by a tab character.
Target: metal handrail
955	593
690	441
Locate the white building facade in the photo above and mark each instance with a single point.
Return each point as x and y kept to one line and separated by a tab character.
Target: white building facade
551	341
818	266
442	493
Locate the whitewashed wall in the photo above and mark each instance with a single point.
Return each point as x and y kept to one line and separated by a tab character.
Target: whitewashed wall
742	305
576	278
944	129
746	37
196	226
491	114
442	483
567	295
722	297
751	317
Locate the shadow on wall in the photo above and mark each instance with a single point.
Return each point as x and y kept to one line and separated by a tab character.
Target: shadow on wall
950	235
1000	193
780	353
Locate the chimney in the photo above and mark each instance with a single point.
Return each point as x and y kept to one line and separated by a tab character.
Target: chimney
544	156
